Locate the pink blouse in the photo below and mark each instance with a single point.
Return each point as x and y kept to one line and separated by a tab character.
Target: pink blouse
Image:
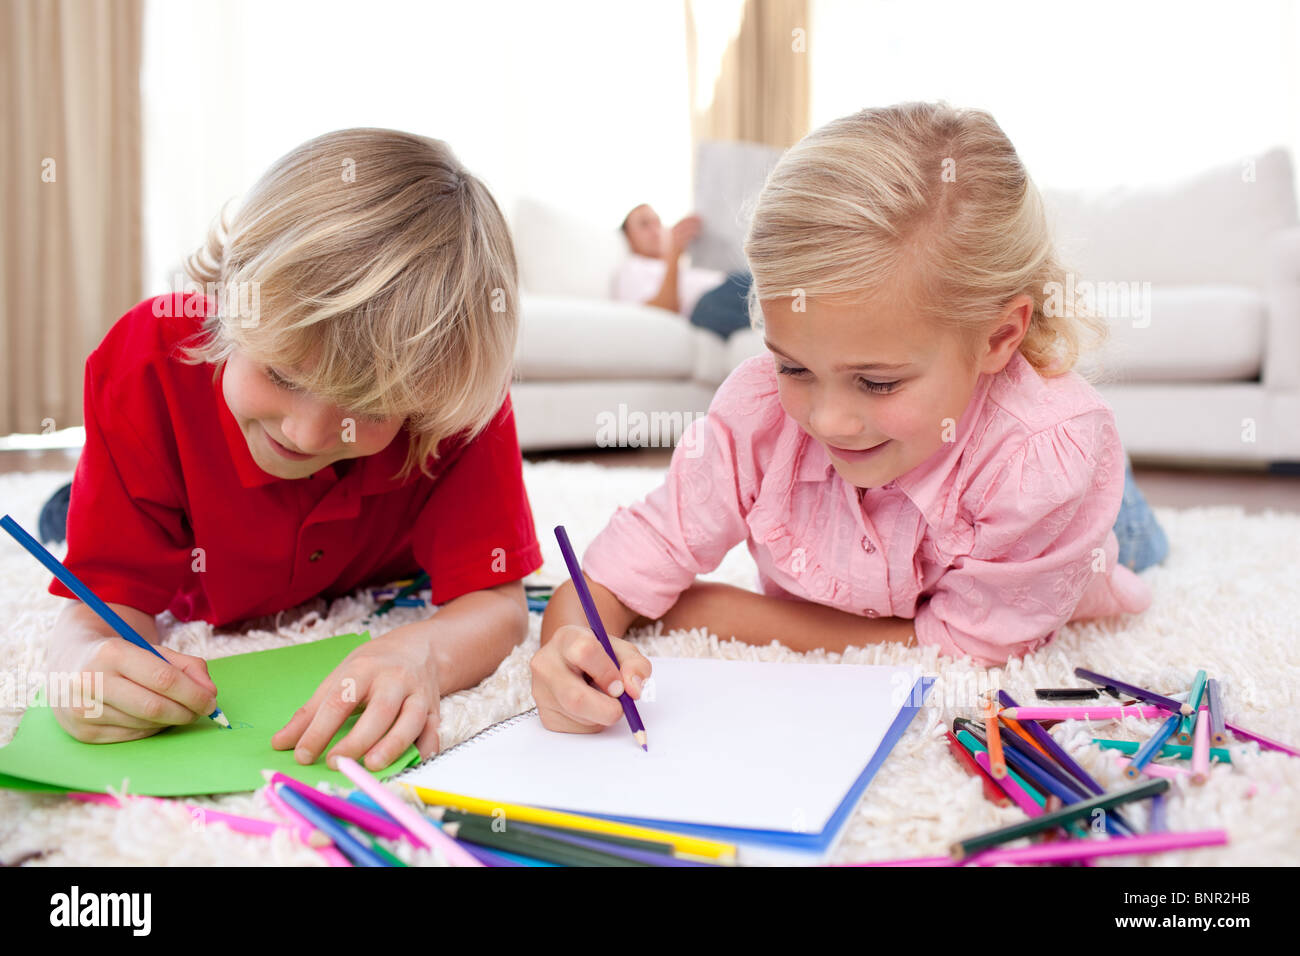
990	545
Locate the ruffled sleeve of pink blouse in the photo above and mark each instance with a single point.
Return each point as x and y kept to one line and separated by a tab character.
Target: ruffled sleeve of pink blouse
650	553
1042	547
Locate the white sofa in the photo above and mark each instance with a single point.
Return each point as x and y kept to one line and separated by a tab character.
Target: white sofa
1203	365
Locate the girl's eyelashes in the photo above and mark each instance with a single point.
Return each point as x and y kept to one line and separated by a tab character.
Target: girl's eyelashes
279	381
881	388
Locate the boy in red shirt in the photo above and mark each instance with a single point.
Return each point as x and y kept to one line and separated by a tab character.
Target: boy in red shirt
334	413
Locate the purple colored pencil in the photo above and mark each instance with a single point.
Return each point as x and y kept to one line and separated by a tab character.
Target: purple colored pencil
1218	733
1048	743
1266	742
1060	851
598	628
627	852
1156	820
1141	693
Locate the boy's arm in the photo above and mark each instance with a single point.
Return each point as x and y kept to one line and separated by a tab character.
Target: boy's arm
473	633
800	625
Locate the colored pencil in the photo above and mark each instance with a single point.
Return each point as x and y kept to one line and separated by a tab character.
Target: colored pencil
1218	733
543	848
648	857
235	822
682	843
345	842
1067	693
1201	747
1085	712
306	832
1185	728
89	598
997	765
1130	747
972	748
1054	750
410	588
1013	789
1153	743
1151	769
1063	850
1156	819
645	846
1266	742
1141	693
992	791
1075	811
371	842
406	815
333	857
1017	728
598	628
340	808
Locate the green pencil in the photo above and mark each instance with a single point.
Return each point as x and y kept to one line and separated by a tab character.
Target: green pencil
538	847
1075	811
1130	747
1194	698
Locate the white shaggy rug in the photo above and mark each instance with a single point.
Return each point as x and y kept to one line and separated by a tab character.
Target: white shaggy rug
1226	600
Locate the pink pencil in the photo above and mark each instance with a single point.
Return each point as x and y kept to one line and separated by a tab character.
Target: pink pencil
233	821
1083	713
1155	769
306	832
1265	742
1013	790
333	855
342	809
1201	747
1061	851
419	825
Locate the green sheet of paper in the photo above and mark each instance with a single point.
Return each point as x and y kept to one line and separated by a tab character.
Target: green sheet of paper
258	692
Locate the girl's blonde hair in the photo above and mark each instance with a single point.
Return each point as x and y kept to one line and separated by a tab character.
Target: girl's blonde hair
383	275
931	193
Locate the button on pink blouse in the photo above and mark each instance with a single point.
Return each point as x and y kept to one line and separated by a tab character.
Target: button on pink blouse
991	544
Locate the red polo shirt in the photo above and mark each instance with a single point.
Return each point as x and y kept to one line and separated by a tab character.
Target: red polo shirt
170	512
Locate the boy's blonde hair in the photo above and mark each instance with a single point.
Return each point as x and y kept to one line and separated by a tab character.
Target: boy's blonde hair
385	278
925	191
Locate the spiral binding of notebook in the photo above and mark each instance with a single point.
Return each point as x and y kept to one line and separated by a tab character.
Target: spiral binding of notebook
488	731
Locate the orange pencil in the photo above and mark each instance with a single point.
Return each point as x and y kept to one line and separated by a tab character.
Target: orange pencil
1014	726
997	764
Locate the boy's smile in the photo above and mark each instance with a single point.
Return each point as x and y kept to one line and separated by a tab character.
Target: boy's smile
290	433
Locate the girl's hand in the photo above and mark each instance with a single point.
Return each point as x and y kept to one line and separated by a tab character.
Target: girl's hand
567	667
395	678
131	693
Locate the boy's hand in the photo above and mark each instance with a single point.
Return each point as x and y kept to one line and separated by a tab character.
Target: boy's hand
395	678
141	694
565	700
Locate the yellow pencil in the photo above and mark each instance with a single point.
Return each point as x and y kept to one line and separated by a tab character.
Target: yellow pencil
694	846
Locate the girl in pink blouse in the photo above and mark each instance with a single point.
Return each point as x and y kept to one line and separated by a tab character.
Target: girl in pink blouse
915	461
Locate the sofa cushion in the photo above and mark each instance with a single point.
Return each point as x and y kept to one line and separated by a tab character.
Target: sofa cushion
567	338
561	254
1207	333
1210	228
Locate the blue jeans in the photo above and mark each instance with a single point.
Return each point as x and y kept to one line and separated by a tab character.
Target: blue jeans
725	309
1142	541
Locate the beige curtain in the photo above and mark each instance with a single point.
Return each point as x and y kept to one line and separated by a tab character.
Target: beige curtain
748	76
71	248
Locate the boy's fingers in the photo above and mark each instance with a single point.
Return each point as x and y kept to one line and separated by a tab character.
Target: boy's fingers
380	714
144	704
331	712
288	735
163	678
410	723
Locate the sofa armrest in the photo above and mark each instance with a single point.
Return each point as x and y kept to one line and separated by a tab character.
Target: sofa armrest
1281	367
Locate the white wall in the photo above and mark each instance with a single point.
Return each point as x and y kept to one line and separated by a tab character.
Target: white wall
582	104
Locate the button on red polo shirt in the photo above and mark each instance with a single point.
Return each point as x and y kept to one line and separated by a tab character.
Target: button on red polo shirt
169	510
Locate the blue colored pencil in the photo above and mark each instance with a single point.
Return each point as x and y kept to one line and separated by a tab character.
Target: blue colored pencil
593	619
1218	733
92	601
349	846
1152	746
1156	821
1188	723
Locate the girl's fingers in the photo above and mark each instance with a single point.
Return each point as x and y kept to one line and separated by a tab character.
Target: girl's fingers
584	655
430	740
411	722
380	714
